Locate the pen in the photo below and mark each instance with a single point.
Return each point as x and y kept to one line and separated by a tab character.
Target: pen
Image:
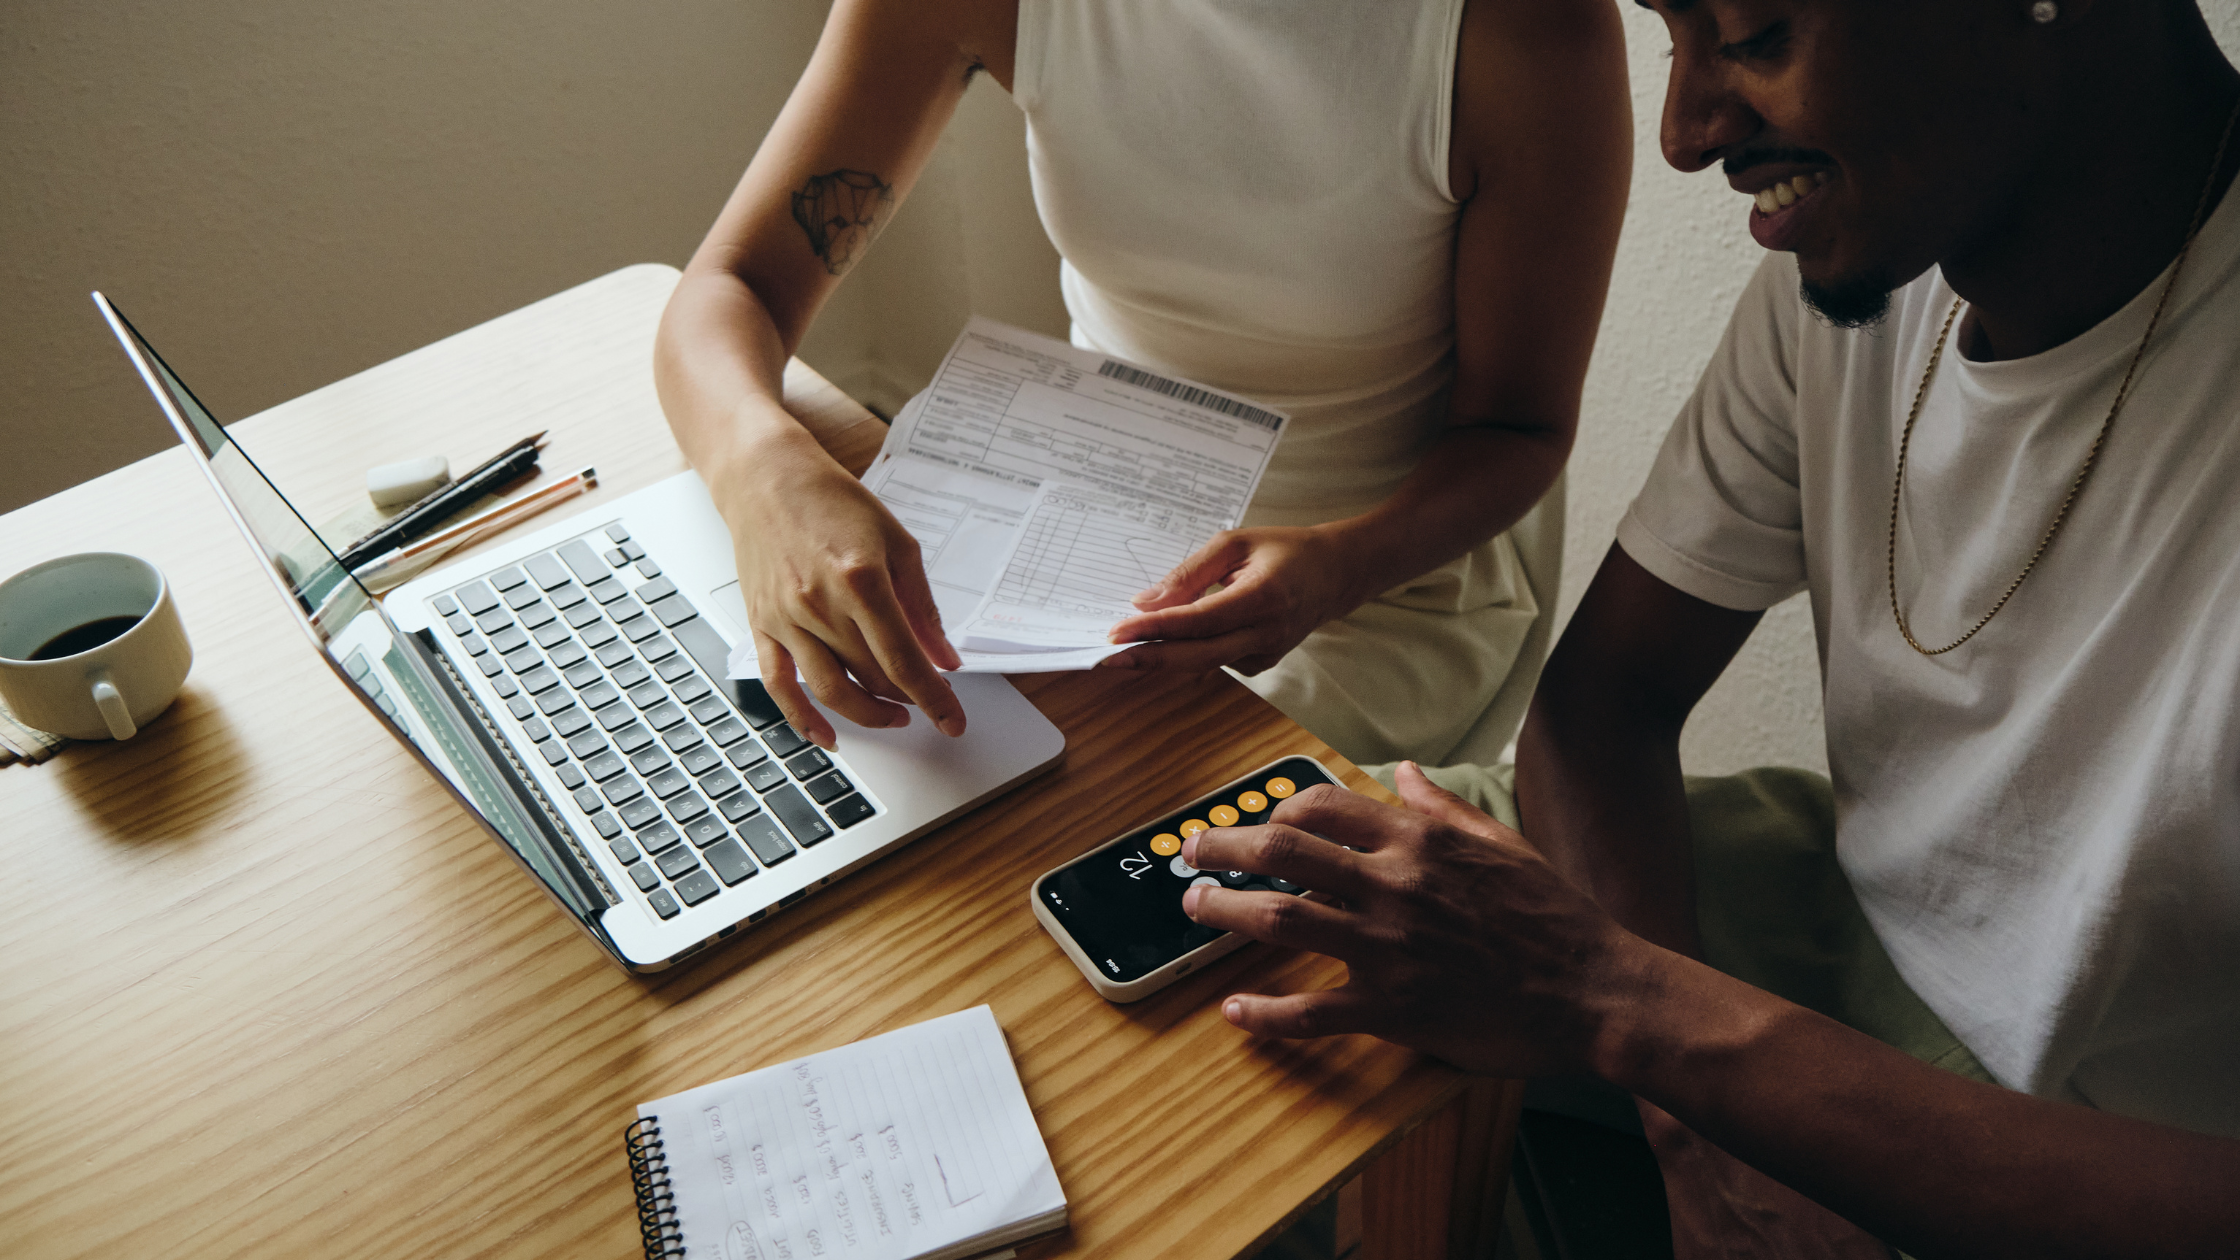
429	514
393	568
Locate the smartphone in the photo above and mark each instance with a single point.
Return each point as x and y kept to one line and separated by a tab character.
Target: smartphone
1116	910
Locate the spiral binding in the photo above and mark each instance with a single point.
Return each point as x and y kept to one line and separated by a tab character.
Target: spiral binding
649	1181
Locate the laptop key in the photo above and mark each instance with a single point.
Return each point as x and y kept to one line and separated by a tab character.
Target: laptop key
708	708
566	654
668	782
640	812
697	887
460	623
493	621
850	810
567	597
552	634
642	875
754	702
765	775
727	732
588	801
648	694
613	655
490	666
538	679
720	783
729	861
658	836
633	737
693	688
622	789
536	730
507	578
547	570
784	740
520	707
615	558
523	659
606	824
579	557
825	789
537	615
617	532
630	673
631	549
555	700
505	686
606	590
656	648
521	595
659	588
570	777
650	760
605	766
674	668
700	760
508	639
800	817
663	716
599	694
616	716
744	753
674	610
663	904
739	805
681	736
809	763
763	837
623	850
583	615
598	634
582	674
639	630
677	860
587	743
570	722
477	598
705	830
445	606
647	568
688	807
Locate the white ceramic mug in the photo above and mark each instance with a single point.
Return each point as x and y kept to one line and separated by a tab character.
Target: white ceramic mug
104	690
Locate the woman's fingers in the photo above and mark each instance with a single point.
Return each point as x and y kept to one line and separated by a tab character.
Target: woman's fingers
923	614
892	642
778	678
1208	565
826	677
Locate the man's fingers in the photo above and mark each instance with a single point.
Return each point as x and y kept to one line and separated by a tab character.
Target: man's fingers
1326	1013
1209	564
1277	918
1343	817
1420	794
1284	852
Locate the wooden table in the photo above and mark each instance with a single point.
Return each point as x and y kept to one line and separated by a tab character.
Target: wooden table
270	993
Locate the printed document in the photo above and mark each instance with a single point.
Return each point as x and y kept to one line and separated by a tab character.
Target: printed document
1047	485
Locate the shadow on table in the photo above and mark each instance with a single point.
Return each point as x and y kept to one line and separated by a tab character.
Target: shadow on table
150	788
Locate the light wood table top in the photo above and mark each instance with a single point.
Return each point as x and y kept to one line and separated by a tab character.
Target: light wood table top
271	993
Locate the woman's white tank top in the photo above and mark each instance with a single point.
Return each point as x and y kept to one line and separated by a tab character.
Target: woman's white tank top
1253	194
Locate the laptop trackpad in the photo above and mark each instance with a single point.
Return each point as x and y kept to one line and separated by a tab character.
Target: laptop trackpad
730	607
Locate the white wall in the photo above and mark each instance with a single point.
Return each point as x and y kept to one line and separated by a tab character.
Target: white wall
283	194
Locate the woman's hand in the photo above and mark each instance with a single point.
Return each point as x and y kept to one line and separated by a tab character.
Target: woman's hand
1277	586
835	589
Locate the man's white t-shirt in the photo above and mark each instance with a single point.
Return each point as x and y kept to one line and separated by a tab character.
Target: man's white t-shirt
2043	825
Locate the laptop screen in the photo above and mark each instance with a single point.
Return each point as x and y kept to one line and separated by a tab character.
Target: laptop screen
350	628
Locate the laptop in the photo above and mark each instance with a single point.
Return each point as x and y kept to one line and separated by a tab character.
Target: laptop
568	688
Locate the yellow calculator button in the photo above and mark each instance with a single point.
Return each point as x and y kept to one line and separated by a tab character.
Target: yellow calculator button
1192	827
1222	816
1166	845
1280	788
1252	802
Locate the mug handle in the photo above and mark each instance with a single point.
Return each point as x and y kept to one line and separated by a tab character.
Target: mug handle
113	710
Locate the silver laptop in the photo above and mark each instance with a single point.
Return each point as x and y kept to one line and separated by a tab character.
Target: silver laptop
569	689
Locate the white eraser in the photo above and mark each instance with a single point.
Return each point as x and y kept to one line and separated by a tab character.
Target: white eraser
394	485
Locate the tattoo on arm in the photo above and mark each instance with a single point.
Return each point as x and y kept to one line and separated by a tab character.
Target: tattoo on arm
841	212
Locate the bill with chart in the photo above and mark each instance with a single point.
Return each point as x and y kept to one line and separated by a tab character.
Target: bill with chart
1047	484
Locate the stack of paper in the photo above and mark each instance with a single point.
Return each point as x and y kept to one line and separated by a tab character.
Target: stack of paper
1048	485
913	1145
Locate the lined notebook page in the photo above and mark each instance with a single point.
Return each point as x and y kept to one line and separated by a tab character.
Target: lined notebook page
917	1142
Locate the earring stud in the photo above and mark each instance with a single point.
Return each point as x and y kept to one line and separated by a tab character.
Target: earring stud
2044	11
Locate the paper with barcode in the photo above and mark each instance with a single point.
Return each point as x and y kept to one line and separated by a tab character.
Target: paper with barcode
914	1143
1149	466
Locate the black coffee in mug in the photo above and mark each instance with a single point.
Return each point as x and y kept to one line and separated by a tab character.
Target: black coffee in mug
83	638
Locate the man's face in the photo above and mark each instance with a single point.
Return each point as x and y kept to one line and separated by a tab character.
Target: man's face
1875	137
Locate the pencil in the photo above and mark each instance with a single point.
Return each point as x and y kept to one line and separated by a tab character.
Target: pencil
391	567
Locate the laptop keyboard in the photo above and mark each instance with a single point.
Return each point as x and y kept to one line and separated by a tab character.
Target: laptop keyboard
615	680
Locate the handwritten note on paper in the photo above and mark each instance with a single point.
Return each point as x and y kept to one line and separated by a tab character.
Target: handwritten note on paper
915	1143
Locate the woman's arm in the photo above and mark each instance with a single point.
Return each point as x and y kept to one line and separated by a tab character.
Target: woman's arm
1541	155
832	583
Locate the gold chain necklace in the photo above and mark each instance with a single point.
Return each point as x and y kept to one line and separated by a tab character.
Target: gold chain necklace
1905	442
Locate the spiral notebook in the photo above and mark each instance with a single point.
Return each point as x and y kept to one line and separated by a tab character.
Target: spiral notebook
913	1145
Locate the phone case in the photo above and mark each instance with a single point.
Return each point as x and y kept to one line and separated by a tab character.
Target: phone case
1220	947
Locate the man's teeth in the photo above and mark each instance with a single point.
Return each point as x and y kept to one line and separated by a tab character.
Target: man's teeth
1772	199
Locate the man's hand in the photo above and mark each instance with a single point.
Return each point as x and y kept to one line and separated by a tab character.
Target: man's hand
1459	939
1722	1207
1278	585
834	589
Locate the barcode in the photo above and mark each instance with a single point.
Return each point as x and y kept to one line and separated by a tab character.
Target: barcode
1191	394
